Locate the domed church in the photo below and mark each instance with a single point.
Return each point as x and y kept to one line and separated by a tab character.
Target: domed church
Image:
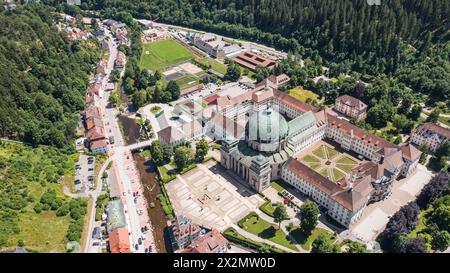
269	141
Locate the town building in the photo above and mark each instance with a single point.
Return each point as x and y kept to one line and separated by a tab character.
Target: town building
250	61
211	242
119	241
115	216
183	232
214	46
431	135
351	107
120	60
275	81
102	67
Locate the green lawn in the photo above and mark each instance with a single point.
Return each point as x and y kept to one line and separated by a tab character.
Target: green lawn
187	81
215	65
420	224
267	208
337	174
346	160
155	109
303	94
345	168
232	235
161	54
331	153
263	229
310	159
306	241
315	166
324	172
319	152
165	175
279	185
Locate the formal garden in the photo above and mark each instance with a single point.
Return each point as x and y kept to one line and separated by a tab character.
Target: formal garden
329	162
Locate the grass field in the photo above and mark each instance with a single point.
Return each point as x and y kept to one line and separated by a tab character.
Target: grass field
306	241
187	81
161	54
303	94
215	65
43	232
255	225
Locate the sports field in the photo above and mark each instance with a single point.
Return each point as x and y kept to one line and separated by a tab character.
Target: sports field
161	54
187	81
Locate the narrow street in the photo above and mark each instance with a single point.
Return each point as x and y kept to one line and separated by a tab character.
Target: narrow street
123	166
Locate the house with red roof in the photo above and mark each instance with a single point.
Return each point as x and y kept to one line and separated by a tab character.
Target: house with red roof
119	241
351	107
431	134
211	242
183	232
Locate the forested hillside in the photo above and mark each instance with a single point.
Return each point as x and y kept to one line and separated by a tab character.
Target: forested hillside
401	38
43	77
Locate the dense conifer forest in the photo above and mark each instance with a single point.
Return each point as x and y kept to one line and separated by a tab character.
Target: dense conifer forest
43	77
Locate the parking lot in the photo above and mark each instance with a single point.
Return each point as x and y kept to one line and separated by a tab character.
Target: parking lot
211	196
84	173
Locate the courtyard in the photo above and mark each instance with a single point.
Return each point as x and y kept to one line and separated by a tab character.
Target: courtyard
329	161
211	196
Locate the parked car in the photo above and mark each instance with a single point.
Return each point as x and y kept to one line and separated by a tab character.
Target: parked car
91	169
96	244
140	241
96	233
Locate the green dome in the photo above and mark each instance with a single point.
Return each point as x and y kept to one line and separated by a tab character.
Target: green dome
267	126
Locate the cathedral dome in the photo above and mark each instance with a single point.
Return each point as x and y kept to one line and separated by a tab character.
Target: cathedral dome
266	126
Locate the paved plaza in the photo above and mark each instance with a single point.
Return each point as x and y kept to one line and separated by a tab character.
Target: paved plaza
211	197
376	215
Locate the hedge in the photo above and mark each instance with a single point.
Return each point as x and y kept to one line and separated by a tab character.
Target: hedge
232	235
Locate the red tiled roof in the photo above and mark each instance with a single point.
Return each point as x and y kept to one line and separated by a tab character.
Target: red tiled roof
251	60
358	133
96	133
428	126
120	56
191	89
262	95
211	99
98	144
119	241
410	152
222	102
352	102
350	198
211	242
294	103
